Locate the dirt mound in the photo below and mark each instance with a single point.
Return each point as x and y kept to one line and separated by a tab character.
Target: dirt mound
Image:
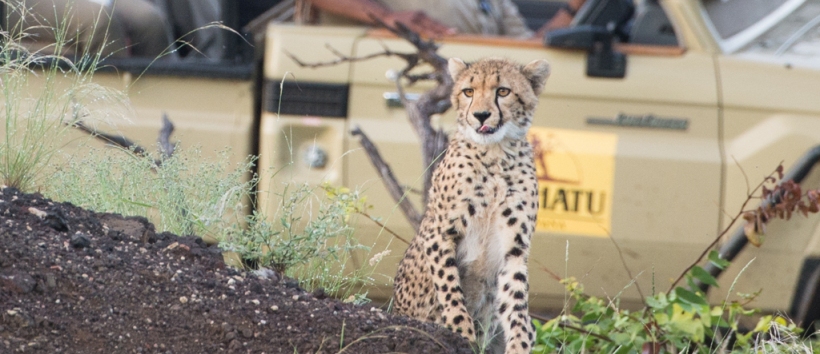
76	281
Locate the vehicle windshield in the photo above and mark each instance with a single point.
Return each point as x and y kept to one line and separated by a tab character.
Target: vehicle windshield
737	23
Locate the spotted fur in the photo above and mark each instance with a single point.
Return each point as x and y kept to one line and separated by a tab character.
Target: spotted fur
467	267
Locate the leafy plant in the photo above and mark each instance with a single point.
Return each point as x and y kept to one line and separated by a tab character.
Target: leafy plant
681	320
309	238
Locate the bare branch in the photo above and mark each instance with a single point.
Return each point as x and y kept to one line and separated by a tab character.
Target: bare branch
413	78
383	226
720	236
165	145
341	58
626	267
389	179
120	141
434	101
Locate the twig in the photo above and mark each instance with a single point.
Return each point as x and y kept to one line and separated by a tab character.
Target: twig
581	330
165	145
372	335
164	139
628	271
383	226
434	101
547	270
341	58
120	141
720	236
388	178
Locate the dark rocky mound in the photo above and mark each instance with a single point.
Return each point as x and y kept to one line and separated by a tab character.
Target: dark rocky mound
76	281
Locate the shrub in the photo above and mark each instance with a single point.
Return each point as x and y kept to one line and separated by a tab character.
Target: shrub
308	237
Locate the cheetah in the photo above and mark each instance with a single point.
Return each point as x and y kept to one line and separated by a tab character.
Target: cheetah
467	267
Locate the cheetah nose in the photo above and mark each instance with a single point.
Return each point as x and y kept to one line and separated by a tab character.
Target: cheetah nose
481	116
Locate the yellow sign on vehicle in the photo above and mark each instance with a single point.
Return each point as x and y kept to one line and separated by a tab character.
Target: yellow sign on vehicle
576	172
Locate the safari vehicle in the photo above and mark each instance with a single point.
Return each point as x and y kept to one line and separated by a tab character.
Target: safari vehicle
651	127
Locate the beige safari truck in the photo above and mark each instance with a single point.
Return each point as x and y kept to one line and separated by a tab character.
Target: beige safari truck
654	121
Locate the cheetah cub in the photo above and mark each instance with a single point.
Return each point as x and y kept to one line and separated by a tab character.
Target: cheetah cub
467	267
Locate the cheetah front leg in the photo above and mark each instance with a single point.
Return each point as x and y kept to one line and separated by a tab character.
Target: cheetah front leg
441	252
513	288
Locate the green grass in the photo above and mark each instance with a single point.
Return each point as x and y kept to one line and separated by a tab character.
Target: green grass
308	236
43	93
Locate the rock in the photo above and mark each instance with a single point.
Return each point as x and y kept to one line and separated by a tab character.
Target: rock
51	280
56	221
267	274
18	282
80	240
135	228
319	294
293	284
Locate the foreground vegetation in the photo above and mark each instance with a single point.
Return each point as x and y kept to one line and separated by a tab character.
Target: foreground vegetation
681	320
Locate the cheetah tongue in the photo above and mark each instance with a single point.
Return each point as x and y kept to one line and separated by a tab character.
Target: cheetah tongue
486	129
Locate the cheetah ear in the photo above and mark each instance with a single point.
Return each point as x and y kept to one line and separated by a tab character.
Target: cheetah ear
537	72
455	66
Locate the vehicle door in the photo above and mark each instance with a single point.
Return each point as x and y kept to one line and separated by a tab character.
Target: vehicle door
768	74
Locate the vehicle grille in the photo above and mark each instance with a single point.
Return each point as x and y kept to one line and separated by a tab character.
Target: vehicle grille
306	98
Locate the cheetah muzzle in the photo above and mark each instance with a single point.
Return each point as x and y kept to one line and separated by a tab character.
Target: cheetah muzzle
467	267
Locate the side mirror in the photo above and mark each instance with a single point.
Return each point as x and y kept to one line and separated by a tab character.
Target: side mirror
602	60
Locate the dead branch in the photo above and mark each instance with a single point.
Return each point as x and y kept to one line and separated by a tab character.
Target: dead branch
115	140
166	147
388	178
342	58
383	226
432	102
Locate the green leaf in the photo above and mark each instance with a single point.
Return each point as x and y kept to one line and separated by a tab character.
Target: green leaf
704	276
690	281
690	297
714	257
655	303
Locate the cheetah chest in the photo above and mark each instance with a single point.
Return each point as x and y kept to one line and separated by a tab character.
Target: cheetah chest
492	194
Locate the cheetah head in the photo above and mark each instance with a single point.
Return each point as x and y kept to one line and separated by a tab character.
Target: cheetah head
495	98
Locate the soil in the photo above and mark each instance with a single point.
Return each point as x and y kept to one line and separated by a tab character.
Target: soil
77	281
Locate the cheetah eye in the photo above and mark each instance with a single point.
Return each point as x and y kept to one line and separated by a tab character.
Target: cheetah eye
468	92
503	91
